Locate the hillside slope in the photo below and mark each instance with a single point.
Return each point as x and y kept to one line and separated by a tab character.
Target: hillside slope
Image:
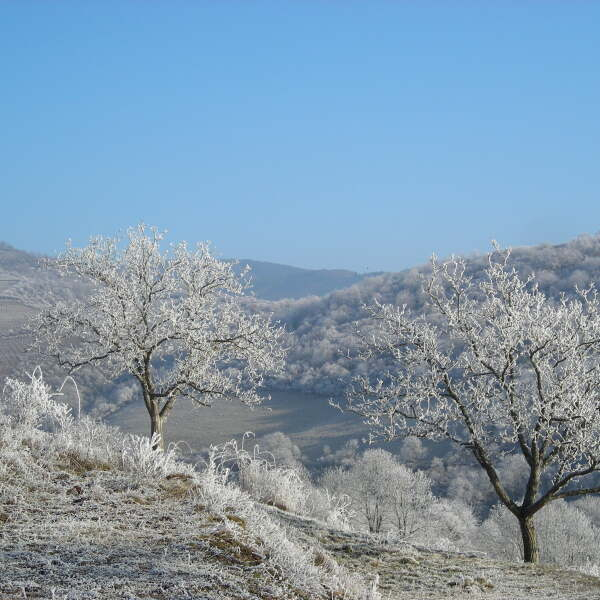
408	572
89	514
322	329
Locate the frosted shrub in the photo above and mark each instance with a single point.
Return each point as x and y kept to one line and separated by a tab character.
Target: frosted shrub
297	561
31	404
278	486
90	439
590	505
455	525
336	480
285	487
259	475
589	568
568	534
371	487
333	509
411	503
143	457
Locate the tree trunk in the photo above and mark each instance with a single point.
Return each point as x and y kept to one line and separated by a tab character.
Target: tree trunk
157	425
531	552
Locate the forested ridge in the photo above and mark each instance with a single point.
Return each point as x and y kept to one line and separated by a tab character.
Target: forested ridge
322	329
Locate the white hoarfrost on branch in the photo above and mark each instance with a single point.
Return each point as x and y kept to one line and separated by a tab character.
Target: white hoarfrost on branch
498	368
171	319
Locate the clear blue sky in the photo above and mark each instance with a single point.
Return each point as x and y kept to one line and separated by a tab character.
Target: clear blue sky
318	133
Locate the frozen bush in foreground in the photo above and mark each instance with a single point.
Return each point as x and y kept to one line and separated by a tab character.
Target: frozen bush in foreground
90	439
31	405
284	487
34	410
143	456
278	486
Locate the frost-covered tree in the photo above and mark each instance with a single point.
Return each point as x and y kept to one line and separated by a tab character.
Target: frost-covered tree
370	486
454	526
411	502
498	368
567	534
168	317
385	495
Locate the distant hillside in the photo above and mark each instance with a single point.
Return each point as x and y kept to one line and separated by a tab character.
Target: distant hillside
11	258
272	281
322	329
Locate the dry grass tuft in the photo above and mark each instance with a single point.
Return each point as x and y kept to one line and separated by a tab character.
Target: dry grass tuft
238	520
232	549
177	488
78	465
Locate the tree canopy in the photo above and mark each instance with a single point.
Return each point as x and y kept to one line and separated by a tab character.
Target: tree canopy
169	318
497	368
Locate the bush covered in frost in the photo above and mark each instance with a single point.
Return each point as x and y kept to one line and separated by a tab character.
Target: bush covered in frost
286	487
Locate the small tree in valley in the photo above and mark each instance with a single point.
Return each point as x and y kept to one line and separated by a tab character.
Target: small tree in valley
498	368
411	502
370	487
171	319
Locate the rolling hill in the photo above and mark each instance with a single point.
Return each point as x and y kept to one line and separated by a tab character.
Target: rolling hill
272	281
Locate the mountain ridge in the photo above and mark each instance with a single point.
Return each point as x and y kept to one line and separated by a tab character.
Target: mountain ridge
269	280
